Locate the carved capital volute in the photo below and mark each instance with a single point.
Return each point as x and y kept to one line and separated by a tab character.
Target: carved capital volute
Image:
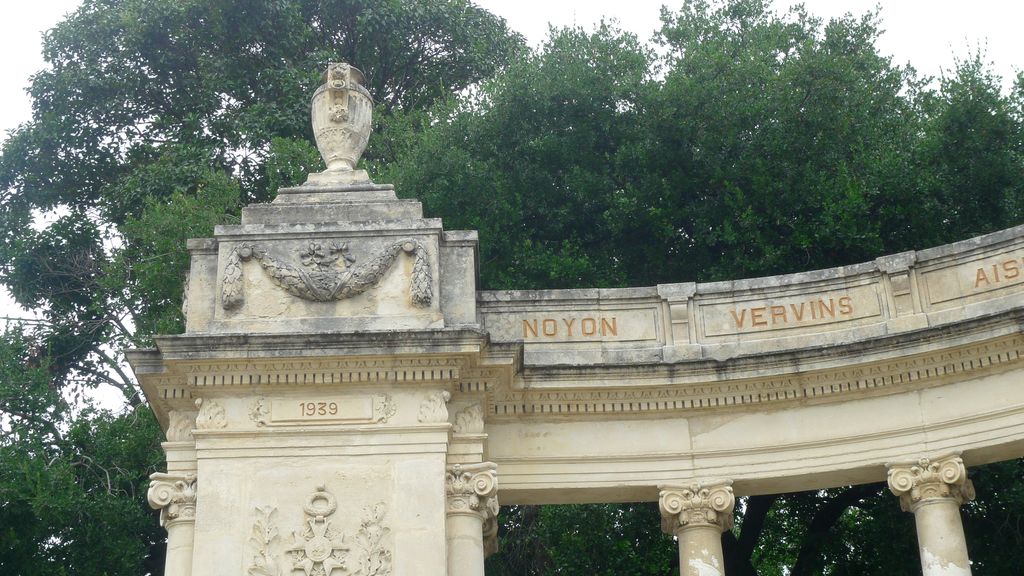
472	489
930	479
174	495
697	504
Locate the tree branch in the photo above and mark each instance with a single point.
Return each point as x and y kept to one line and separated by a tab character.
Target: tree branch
809	560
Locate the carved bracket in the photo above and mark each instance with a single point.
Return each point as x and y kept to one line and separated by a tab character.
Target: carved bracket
697	504
327	273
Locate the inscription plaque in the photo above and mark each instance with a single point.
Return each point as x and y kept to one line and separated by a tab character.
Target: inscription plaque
798	311
573	325
975	277
322	409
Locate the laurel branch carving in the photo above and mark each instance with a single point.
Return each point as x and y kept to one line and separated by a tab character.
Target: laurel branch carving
327	273
319	548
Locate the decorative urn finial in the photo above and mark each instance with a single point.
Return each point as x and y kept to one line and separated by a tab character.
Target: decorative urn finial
342	111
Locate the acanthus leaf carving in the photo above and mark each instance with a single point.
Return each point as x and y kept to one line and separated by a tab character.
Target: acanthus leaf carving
211	415
470	420
697	504
180	425
174	495
327	273
434	408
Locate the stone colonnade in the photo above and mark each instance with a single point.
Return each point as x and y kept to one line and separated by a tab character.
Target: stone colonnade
696	513
933	489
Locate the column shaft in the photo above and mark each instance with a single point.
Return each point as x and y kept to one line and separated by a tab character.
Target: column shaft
934	489
472	499
940	538
465	545
180	539
697	514
700	551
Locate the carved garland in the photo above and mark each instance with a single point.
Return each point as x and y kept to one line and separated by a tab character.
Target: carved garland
329	274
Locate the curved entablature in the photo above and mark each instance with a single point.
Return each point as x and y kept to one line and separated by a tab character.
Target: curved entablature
677	322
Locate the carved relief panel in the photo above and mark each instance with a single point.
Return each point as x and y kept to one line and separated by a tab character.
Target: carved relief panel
336	277
326	543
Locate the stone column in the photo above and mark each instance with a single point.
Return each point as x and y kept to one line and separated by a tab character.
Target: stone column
934	489
175	496
696	515
472	501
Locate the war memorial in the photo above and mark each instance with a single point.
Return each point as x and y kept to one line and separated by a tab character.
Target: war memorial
345	402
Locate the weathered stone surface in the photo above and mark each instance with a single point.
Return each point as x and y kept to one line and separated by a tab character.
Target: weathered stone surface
721	320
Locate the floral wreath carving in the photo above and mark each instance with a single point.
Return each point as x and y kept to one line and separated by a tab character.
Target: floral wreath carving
327	273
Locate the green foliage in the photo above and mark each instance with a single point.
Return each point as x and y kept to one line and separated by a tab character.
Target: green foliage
154	255
535	161
66	478
589	539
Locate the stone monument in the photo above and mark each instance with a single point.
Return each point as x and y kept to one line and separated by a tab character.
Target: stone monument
345	402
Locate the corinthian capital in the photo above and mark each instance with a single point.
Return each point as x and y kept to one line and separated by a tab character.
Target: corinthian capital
697	504
930	479
174	495
472	489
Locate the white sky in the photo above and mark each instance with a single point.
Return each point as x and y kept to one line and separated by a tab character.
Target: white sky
926	33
